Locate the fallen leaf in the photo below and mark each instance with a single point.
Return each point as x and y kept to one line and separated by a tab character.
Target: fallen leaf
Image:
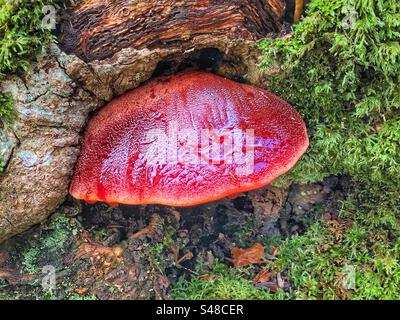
187	256
245	257
89	250
175	250
280	281
207	277
275	251
262	276
144	232
272	286
81	291
9	275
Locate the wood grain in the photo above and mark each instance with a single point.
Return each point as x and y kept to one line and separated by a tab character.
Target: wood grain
98	29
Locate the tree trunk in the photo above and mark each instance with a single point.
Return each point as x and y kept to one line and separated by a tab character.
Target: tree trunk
114	46
98	29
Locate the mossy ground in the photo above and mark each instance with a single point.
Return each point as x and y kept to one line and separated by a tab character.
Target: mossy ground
341	69
363	246
33	252
97	251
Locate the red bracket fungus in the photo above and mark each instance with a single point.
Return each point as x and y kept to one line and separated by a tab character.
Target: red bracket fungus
185	140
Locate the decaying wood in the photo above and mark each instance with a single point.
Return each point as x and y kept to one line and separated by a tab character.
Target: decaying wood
97	29
115	46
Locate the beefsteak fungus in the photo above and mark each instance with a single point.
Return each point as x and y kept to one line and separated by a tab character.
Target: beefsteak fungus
185	140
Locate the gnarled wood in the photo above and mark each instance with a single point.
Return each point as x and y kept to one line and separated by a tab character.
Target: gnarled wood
98	29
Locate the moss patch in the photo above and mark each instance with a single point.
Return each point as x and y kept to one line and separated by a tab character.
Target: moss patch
34	251
22	33
354	257
341	70
52	241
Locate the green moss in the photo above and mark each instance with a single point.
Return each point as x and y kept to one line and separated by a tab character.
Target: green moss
225	284
367	240
345	82
7	111
362	247
51	241
156	251
22	37
21	33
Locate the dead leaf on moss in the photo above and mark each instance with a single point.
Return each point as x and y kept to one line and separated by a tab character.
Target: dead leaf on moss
149	230
274	251
81	291
245	257
271	285
281	281
262	276
90	250
207	277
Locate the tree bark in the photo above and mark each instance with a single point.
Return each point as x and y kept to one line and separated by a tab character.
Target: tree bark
114	46
98	29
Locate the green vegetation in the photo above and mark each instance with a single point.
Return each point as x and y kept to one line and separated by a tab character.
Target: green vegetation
225	284
76	296
155	251
21	33
341	70
344	79
7	111
365	241
52	241
32	252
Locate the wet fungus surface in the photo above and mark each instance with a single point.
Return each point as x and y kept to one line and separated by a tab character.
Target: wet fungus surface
185	140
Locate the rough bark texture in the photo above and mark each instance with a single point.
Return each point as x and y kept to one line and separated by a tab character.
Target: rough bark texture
131	44
98	29
43	143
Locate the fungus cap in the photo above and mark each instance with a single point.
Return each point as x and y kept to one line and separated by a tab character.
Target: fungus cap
185	140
